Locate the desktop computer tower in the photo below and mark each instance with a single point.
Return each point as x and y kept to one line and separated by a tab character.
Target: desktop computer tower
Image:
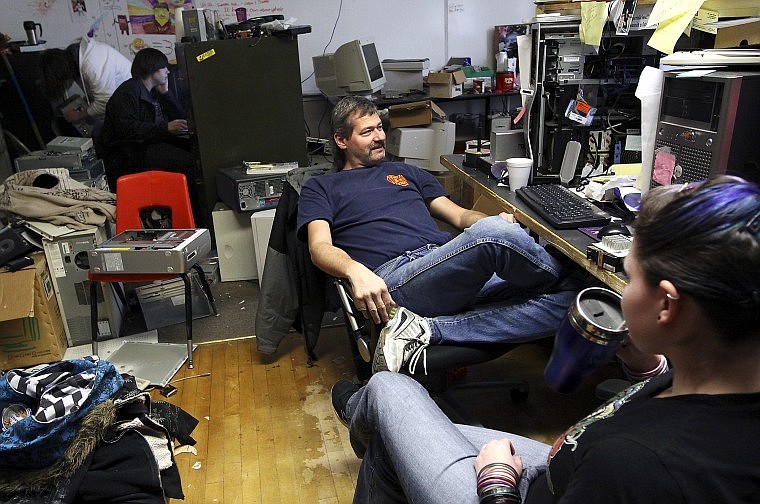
68	262
710	124
234	244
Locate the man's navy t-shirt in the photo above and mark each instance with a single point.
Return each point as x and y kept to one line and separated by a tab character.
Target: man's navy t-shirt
376	213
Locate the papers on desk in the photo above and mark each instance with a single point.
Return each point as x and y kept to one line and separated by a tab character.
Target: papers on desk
603	188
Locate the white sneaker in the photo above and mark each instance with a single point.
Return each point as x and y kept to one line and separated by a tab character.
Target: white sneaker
403	340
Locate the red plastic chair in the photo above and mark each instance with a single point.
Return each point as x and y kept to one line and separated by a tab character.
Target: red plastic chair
135	193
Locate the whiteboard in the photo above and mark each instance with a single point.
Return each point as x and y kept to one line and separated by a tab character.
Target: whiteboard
434	29
470	26
400	28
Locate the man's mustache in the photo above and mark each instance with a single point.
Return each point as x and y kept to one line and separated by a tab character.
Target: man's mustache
377	145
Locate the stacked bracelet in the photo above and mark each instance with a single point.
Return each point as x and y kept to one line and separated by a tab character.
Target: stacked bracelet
497	484
661	368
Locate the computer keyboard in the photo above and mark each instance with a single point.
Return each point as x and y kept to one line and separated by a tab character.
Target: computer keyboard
563	209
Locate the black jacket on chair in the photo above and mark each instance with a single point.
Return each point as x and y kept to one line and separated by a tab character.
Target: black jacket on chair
292	288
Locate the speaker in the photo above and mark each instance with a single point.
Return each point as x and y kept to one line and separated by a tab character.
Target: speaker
12	245
569	162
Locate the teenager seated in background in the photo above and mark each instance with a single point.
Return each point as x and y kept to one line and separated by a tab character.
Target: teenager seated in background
97	68
683	436
145	126
373	223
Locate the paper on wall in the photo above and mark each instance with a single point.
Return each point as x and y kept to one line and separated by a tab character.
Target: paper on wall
525	59
672	17
593	18
648	91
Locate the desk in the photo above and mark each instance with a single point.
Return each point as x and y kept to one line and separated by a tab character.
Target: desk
570	242
381	102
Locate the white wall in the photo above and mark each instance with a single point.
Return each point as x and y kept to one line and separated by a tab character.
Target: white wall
470	26
434	29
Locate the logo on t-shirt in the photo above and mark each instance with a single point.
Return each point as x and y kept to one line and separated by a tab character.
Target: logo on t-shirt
398	180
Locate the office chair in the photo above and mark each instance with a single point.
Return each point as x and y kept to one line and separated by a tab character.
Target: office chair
136	195
441	361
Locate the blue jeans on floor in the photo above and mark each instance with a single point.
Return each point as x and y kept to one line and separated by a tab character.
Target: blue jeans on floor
491	284
414	453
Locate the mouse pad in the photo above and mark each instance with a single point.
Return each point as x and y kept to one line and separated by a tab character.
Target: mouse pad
591	232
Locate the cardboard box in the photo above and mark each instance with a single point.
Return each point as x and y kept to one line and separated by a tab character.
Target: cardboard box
452	183
419	113
31	325
446	84
744	34
471	72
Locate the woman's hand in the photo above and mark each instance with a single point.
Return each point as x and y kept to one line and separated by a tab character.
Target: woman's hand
636	360
500	450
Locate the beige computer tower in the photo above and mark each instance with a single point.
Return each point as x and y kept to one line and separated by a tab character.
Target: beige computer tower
234	244
66	252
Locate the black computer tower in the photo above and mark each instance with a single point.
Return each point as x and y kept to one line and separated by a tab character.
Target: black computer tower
710	124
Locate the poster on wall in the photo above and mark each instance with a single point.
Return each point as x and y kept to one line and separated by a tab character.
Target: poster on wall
154	17
151	23
79	7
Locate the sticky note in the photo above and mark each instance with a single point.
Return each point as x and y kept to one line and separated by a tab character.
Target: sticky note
664	164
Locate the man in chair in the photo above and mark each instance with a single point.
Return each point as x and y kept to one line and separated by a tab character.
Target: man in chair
373	223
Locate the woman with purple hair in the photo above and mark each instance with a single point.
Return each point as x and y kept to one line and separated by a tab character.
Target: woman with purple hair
686	435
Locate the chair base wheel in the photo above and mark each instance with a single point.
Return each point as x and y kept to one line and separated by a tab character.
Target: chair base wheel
363	348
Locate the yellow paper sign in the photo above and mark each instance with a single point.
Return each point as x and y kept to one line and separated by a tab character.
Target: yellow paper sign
205	55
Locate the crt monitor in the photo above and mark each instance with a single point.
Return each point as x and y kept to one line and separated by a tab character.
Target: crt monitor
354	68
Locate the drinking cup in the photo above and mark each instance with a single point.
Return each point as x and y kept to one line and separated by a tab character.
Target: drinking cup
518	170
587	339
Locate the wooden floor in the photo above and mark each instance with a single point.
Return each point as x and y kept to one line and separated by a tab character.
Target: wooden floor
267	432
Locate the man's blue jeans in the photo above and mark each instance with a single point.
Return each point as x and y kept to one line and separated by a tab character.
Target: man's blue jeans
492	283
413	453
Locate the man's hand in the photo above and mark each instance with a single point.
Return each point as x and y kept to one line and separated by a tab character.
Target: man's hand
75	115
163	88
371	295
178	127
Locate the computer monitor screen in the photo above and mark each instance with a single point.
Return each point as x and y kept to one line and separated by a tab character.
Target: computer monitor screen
357	67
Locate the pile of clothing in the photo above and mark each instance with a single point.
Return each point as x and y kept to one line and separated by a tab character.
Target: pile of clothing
78	429
51	195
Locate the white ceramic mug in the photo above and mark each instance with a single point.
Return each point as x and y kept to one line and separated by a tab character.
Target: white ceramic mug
518	170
